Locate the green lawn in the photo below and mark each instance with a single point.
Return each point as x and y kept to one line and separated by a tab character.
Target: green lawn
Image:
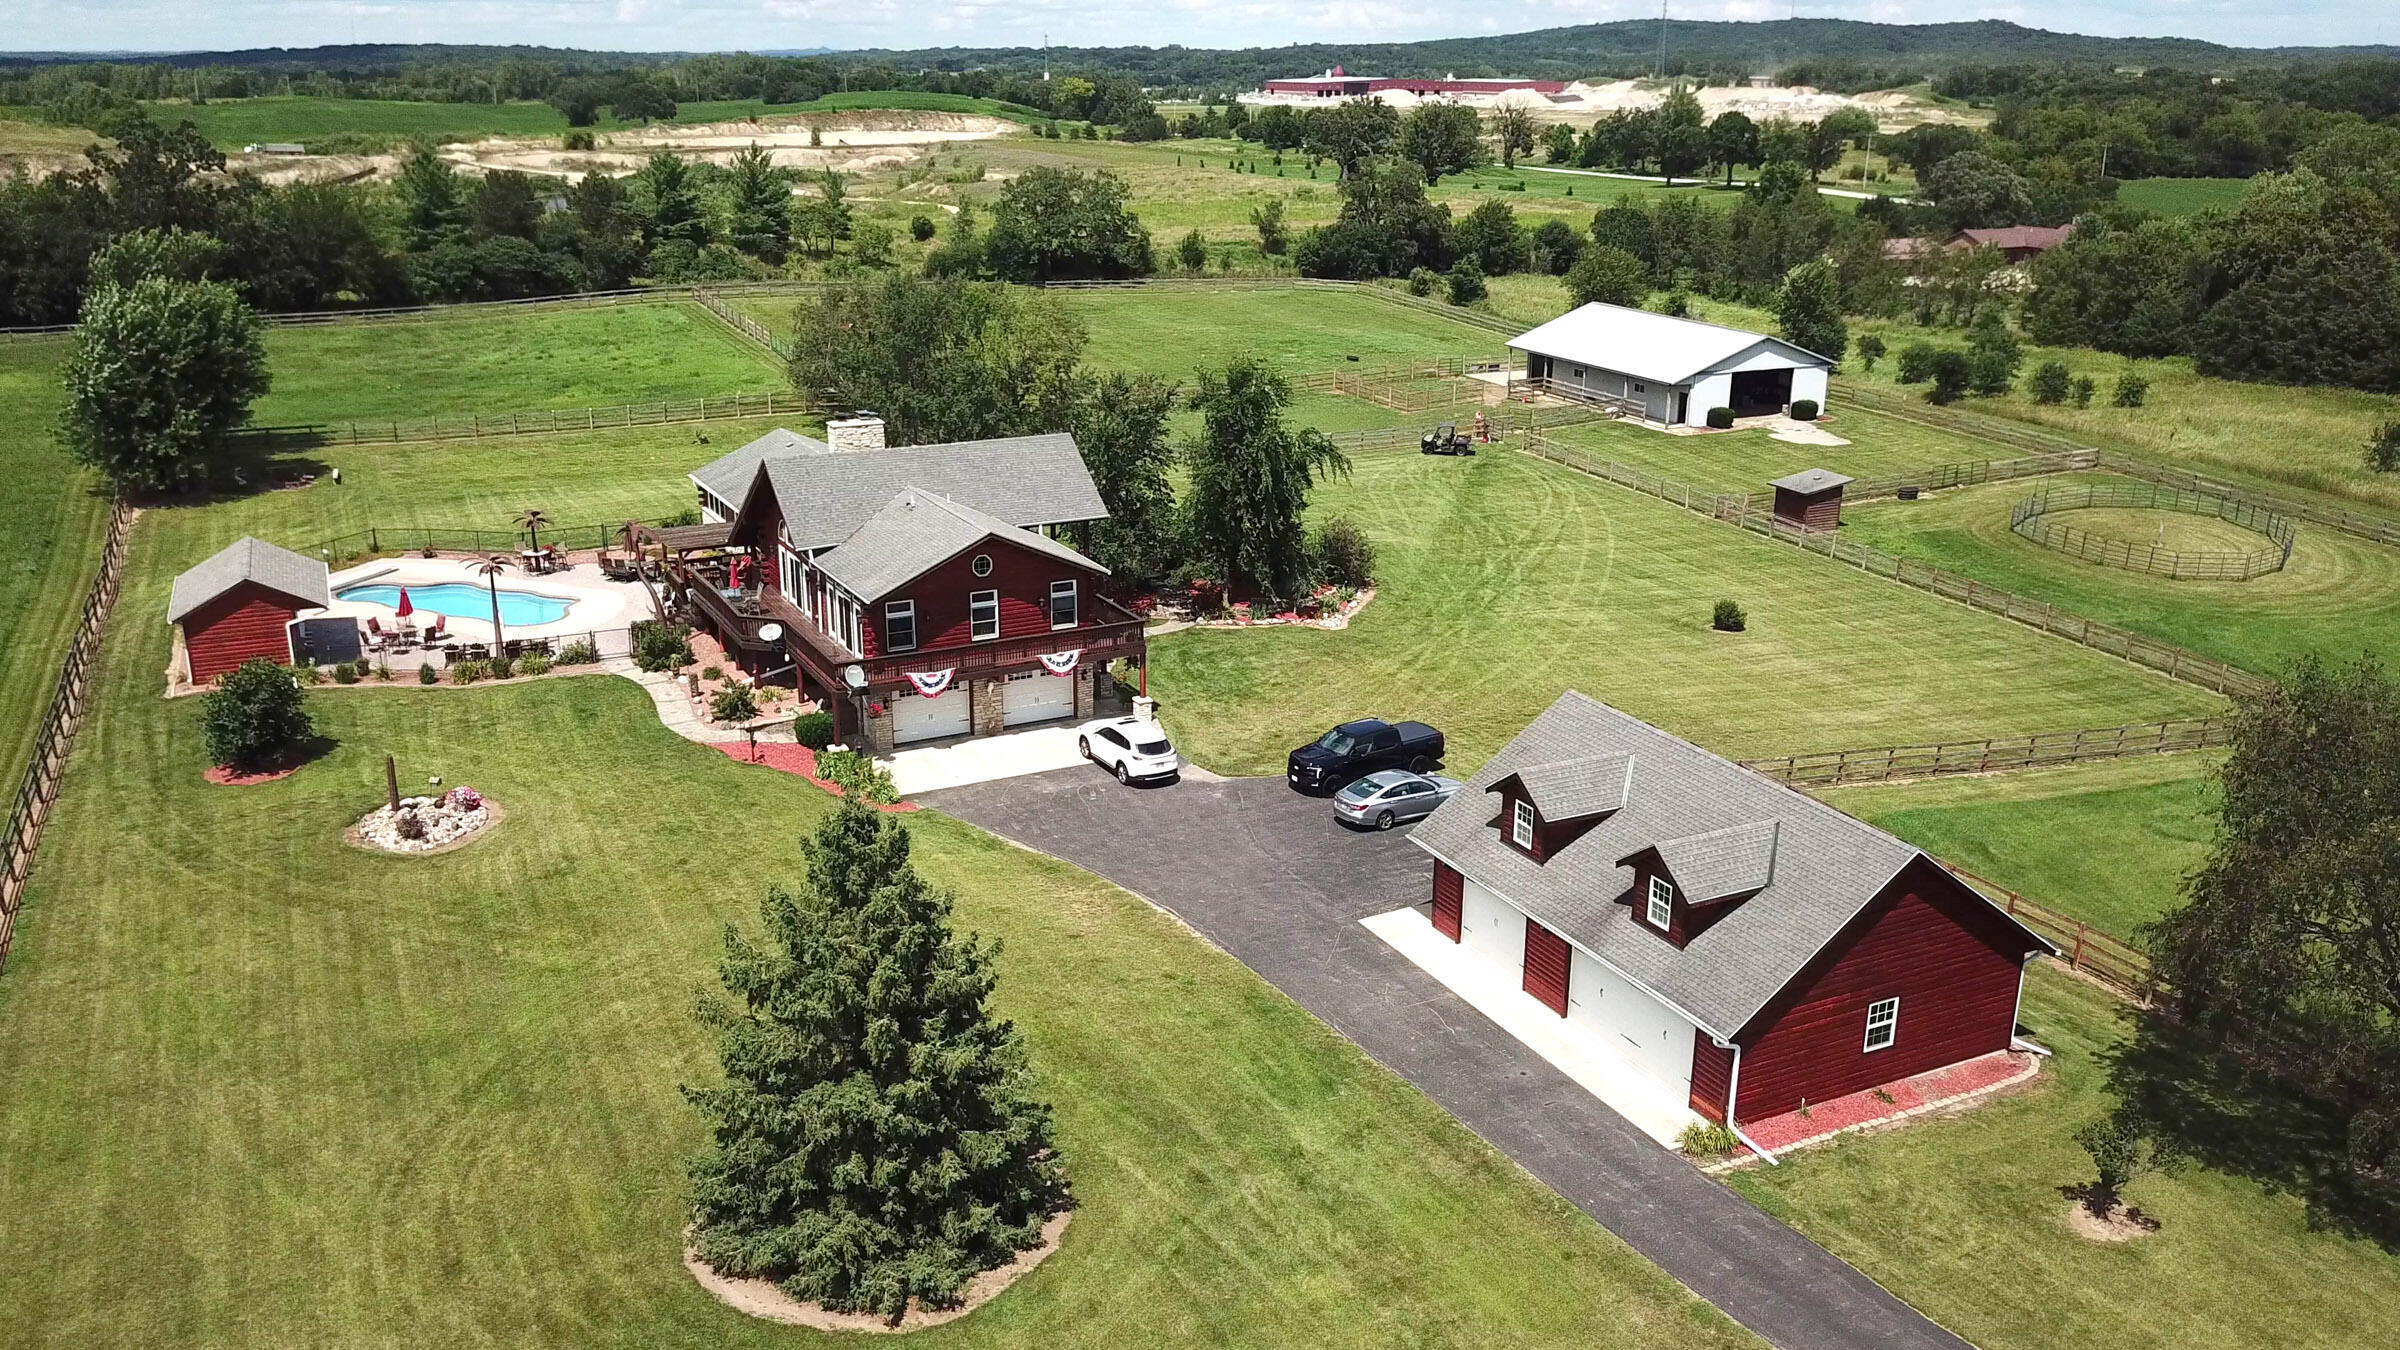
1507	580
54	516
507	361
1963	1218
2108	843
2182	196
265	1089
2337	594
1747	460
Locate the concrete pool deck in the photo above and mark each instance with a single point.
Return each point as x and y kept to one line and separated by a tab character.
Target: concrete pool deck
596	606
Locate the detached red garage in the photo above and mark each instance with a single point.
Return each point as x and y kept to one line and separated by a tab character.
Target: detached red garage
240	605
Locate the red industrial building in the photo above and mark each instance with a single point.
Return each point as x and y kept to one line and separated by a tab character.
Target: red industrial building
239	605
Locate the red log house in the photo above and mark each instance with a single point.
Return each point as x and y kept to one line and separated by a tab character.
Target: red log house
240	605
920	591
1745	948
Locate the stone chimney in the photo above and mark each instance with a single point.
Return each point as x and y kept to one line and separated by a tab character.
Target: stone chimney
861	431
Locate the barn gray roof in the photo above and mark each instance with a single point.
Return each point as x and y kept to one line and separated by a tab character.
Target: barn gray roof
1571	789
728	476
918	531
1811	480
1022	480
300	577
1819	867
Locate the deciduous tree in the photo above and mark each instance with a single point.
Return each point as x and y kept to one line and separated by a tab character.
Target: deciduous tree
255	718
1121	428
1609	276
942	359
1808	310
1250	476
1054	224
1441	138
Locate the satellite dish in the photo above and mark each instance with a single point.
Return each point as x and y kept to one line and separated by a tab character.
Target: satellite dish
769	632
855	676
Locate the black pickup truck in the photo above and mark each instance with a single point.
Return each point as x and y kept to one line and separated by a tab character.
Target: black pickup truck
1355	749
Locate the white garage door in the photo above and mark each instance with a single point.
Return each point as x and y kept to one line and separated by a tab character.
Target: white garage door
917	718
1647	1033
1036	696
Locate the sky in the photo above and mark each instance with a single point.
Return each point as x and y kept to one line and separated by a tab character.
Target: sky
754	25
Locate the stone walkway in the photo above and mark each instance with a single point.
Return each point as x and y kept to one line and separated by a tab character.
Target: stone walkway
676	710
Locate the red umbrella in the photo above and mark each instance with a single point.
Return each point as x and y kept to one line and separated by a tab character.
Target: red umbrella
405	609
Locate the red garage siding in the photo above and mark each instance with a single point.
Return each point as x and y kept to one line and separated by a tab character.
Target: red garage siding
1951	959
1712	1069
1022	577
1546	967
243	623
1449	899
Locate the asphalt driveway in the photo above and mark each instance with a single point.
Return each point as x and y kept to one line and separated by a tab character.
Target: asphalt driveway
1270	876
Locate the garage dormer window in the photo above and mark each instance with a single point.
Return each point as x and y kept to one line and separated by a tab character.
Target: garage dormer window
983	615
1520	825
1062	604
1661	908
1883	1023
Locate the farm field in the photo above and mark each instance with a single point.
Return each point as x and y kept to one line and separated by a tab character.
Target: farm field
54	516
1747	460
1507	580
2232	1265
488	362
2108	843
2337	594
2181	196
314	1094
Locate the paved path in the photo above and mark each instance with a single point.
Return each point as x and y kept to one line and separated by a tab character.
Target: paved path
1272	878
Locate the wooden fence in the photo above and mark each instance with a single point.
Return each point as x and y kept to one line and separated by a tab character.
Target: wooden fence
1502	422
2124	969
740	323
56	736
1736	509
2034	518
1994	754
540	421
380	539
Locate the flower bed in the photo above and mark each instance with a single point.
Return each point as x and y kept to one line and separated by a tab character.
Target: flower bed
427	824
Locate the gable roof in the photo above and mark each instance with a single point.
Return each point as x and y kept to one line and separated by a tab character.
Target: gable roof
1721	864
2014	236
1657	347
1572	789
728	476
1811	480
1022	480
1821	866
292	575
918	531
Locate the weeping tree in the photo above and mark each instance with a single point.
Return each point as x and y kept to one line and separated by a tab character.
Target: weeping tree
874	1139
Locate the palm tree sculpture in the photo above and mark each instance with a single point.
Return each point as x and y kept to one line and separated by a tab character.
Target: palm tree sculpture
490	569
531	520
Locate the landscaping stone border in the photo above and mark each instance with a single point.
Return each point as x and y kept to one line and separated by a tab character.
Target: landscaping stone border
766	1300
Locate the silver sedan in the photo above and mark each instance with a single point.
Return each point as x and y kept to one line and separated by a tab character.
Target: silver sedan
1382	800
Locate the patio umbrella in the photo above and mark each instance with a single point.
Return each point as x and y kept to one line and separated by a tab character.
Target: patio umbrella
404	609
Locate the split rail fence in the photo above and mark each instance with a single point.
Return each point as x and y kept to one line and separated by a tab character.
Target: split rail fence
541	421
1995	754
1736	509
38	789
2124	969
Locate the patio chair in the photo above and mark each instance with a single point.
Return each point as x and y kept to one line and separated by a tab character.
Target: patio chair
440	631
376	637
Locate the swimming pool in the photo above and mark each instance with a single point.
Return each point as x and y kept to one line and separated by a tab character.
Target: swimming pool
465	600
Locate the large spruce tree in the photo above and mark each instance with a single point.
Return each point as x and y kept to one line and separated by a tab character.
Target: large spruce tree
874	1140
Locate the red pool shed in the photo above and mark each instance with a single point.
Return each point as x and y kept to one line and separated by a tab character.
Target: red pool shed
239	605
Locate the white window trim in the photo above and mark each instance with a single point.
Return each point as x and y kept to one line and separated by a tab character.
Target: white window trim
1074	602
893	609
1520	826
1890	1026
1661	898
975	601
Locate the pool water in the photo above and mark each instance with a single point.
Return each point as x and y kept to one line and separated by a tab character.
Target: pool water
464	600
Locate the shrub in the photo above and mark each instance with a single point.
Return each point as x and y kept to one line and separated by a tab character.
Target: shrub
2131	390
426	674
580	652
814	730
1345	556
534	663
857	776
468	672
1720	418
409	825
712	672
2081	390
256	717
1466	283
661	646
920	228
1422	280
2051	383
500	667
1804	410
345	673
1916	362
1192	252
733	703
383	671
307	673
1706	1139
1952	373
1675	305
1870	350
578	140
2383	448
1729	617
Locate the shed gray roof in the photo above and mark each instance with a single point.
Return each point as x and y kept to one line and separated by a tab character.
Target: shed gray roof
1572	789
247	559
1720	864
1022	480
918	531
1826	866
1812	480
729	475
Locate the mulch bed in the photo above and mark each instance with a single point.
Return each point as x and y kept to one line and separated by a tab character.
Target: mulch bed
786	757
1953	1087
225	775
764	1299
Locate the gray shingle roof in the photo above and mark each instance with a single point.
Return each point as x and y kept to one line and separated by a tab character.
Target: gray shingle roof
729	476
918	531
1022	480
1826	865
1720	864
1812	480
1572	789
247	559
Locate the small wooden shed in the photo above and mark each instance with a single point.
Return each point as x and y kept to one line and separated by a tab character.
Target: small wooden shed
239	605
1810	499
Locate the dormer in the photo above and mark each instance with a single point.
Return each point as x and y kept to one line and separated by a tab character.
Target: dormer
1682	887
1545	807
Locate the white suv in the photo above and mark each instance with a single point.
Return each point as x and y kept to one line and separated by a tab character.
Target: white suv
1129	746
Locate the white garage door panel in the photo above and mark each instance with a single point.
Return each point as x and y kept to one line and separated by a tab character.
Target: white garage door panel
917	718
1646	1032
1491	928
1036	697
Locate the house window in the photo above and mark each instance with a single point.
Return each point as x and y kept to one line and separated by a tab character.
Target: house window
1883	1023
982	566
900	625
983	615
1661	909
1640	388
1579	372
1520	828
1062	604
